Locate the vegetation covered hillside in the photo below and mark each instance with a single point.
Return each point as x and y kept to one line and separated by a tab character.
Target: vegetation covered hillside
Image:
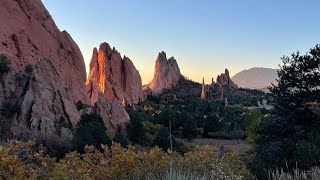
181	111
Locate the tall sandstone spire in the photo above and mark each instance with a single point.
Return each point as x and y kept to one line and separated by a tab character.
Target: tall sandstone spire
203	91
166	74
116	77
224	79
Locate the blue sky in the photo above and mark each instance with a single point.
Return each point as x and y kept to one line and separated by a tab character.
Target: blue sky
205	36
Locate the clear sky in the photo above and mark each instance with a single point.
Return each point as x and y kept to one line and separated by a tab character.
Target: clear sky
205	36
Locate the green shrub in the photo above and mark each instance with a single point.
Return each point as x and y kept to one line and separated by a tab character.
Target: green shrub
211	124
4	64
182	147
10	108
252	121
28	69
80	105
120	138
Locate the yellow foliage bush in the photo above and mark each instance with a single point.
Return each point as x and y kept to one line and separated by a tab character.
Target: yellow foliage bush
21	160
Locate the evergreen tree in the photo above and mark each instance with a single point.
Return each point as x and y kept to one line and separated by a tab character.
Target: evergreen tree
291	137
211	124
90	131
162	139
120	138
136	131
190	127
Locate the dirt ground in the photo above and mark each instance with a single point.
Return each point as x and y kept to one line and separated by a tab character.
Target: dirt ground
240	146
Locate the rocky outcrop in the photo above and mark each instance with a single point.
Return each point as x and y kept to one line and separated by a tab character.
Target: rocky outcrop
116	77
225	80
28	35
166	74
37	102
203	90
41	103
112	113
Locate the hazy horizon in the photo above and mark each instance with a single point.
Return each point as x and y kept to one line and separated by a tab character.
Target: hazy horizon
205	37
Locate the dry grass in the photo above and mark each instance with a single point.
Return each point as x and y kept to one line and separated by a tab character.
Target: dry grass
239	146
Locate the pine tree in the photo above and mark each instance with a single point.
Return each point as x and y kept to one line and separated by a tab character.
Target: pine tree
291	137
90	131
190	127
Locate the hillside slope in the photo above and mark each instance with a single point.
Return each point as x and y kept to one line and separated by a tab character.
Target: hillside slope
256	78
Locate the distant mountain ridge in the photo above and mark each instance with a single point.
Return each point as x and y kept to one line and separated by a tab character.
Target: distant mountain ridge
256	78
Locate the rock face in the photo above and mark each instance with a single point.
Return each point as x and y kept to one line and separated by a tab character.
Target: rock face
28	35
112	112
116	77
41	103
36	103
166	74
224	79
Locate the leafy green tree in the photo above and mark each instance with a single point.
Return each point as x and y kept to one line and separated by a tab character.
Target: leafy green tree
252	120
190	127
290	138
163	138
4	64
211	124
90	131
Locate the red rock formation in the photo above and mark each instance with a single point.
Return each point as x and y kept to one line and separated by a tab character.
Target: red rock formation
28	35
203	90
112	113
224	79
166	74
116	77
